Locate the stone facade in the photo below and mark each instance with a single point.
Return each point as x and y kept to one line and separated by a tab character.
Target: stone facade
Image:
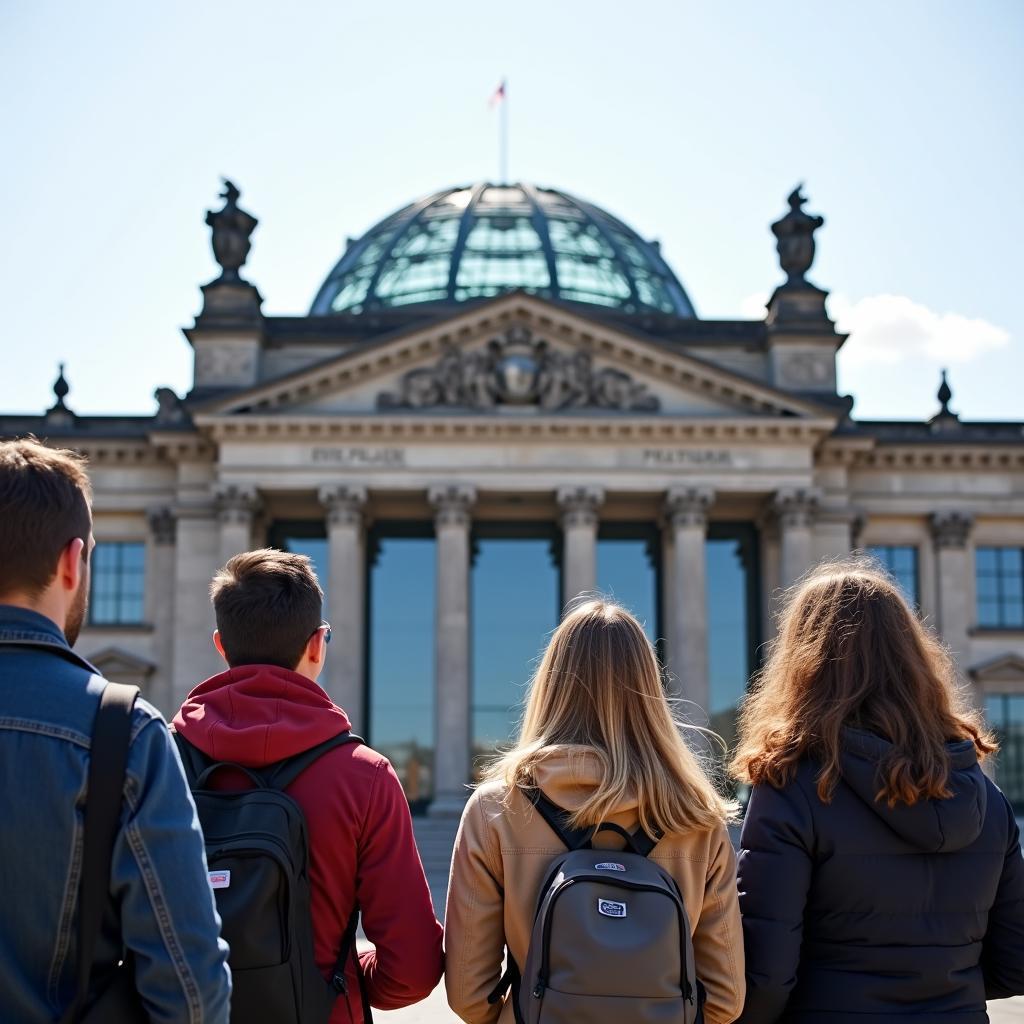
474	413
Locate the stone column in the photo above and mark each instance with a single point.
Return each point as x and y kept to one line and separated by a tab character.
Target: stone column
579	507
452	519
160	604
950	531
796	509
344	673
686	620
236	509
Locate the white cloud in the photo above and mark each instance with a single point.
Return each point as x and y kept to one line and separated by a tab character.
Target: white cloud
892	329
753	306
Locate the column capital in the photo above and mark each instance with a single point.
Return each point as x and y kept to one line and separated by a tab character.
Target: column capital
163	524
950	529
688	506
452	503
345	503
237	503
579	505
796	506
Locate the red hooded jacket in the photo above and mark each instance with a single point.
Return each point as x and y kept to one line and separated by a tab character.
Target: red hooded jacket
361	841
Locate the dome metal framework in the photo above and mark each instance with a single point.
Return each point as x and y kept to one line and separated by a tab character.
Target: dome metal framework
481	240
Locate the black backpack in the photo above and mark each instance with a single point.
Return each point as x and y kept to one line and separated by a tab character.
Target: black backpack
611	937
257	852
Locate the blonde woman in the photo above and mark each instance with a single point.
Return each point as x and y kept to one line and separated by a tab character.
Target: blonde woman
599	741
880	874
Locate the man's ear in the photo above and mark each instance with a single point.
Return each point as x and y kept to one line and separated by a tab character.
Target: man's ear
315	647
218	643
71	565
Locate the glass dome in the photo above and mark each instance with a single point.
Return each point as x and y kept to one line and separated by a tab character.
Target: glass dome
480	240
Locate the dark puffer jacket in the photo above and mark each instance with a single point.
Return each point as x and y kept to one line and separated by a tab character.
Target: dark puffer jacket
853	912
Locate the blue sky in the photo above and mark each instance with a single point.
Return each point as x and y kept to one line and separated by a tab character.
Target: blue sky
690	121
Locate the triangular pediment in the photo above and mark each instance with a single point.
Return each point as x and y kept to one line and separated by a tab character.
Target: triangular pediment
514	353
117	663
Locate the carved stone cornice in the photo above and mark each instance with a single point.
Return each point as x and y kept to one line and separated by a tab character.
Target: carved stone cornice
410	427
796	507
345	504
864	455
688	506
236	504
453	504
950	529
579	505
163	525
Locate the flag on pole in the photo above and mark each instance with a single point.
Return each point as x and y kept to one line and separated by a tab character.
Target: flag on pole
498	96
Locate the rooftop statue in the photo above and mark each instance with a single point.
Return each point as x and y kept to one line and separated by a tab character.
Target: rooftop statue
232	227
795	234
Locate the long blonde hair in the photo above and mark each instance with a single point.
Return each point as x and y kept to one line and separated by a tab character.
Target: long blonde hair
850	652
599	686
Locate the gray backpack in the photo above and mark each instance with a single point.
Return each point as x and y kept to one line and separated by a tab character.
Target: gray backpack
611	937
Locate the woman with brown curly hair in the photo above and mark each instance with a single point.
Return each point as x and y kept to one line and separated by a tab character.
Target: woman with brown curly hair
880	871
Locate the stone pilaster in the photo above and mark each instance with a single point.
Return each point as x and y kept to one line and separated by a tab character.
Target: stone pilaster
160	559
950	533
796	509
452	520
686	619
237	507
579	515
344	674
197	557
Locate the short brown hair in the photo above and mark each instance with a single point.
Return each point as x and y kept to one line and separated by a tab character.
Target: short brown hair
850	652
44	505
268	603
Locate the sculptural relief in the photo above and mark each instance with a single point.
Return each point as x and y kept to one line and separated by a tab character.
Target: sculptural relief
225	364
517	369
807	369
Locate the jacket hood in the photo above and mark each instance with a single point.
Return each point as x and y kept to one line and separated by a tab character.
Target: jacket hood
936	826
569	775
255	715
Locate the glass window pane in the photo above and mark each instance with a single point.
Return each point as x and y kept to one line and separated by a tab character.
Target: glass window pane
117	583
626	573
1005	714
515	606
732	623
401	660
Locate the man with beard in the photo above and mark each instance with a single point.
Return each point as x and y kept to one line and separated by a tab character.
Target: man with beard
158	916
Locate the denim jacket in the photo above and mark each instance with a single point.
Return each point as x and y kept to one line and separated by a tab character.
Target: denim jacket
161	908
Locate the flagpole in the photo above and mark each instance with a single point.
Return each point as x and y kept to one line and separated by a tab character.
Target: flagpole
503	141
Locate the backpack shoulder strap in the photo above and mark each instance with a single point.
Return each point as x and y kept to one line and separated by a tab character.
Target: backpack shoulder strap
193	760
557	819
284	773
108	758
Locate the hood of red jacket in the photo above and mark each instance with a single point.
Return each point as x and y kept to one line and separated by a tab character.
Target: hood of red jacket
255	715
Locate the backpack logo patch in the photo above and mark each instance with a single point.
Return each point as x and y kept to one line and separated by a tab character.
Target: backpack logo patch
220	879
610	908
609	865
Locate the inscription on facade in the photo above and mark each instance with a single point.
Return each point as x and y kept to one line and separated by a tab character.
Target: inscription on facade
369	458
662	458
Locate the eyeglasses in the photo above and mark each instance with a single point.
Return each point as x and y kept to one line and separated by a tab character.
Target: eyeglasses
326	627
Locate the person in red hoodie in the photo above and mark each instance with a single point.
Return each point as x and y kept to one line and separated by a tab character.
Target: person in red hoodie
268	706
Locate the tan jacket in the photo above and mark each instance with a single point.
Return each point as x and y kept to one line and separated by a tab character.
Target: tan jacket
506	851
